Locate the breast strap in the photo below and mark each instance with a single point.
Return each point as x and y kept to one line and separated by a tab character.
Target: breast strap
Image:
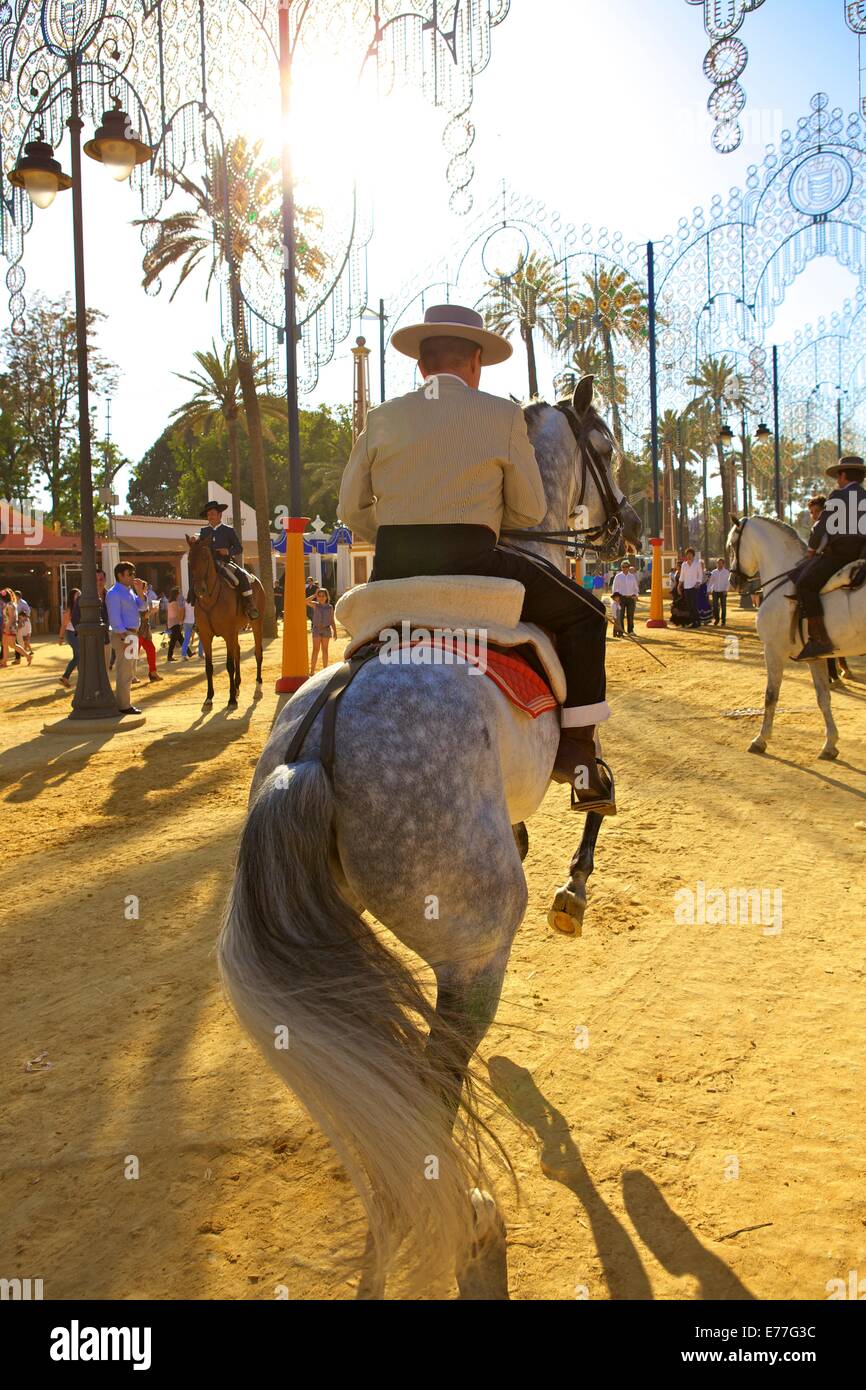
328	697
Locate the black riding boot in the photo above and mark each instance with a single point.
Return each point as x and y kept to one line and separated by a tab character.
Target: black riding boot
249	606
819	644
578	767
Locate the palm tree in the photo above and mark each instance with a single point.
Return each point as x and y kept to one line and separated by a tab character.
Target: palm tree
216	407
612	389
719	387
235	214
530	300
609	307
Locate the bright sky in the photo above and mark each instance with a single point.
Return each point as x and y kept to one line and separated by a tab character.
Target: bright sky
595	107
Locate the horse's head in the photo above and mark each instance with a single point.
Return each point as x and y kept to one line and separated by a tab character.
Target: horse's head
576	452
742	561
200	557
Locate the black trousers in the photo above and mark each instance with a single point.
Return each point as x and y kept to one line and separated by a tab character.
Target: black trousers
720	606
627	602
575	617
815	572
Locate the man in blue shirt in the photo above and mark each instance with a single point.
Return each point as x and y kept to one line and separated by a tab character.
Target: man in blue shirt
226	547
125	607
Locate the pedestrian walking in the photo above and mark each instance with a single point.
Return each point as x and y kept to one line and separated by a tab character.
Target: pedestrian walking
188	629
145	639
323	627
125	608
69	635
718	584
174	622
625	587
690	580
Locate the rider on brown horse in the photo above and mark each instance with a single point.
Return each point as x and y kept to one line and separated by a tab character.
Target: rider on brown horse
225	544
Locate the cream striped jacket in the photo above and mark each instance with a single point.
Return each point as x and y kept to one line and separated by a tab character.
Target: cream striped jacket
442	455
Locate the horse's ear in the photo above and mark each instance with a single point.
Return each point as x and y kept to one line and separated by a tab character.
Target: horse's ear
190	540
582	397
735	520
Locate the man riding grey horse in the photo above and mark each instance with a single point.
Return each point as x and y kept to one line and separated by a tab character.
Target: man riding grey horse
837	538
226	546
433	479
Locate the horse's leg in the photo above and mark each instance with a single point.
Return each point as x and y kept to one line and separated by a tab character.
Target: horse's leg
205	637
771	699
569	904
230	668
466	1004
257	638
821	682
237	664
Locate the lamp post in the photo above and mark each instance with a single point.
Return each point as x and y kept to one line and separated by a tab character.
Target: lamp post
368	313
39	174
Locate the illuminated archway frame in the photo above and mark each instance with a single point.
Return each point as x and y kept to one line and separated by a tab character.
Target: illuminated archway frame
721	276
182	67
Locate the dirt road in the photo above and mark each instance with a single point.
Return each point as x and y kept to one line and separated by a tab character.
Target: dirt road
691	1094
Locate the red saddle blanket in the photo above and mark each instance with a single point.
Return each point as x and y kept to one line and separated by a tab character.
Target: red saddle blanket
524	686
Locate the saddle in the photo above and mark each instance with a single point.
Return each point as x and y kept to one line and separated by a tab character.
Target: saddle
459	609
850	576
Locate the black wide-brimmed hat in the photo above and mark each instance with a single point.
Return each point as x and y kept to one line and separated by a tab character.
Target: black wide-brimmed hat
851	463
220	506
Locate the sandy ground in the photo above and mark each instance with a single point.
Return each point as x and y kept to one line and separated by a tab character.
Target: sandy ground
708	1141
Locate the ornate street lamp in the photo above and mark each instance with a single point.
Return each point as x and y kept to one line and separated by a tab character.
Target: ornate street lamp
763	431
116	146
39	174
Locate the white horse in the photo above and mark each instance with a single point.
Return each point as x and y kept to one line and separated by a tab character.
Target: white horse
759	546
429	769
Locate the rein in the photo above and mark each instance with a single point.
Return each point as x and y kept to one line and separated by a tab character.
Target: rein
212	593
748	580
577	540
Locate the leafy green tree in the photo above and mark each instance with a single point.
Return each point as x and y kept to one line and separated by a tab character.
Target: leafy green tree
217	407
719	387
41	367
17	474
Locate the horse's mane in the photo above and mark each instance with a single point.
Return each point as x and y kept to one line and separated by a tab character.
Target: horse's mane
591	418
783	526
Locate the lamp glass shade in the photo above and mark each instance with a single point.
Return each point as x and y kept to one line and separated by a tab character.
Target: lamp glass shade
41	186
763	431
118	156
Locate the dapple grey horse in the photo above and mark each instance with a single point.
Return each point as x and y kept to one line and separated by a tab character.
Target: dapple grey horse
414	827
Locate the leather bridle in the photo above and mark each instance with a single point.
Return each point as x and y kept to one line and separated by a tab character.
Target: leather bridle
752	583
608	536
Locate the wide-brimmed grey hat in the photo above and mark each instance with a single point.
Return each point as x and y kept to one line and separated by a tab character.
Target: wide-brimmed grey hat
452	321
849	464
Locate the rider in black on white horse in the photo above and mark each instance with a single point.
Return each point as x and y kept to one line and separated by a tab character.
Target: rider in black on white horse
837	538
433	479
226	546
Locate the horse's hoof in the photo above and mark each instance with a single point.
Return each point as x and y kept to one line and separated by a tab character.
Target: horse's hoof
569	905
232	704
828	754
484	1275
208	704
757	746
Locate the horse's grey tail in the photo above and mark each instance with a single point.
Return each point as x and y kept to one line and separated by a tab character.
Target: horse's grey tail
342	1021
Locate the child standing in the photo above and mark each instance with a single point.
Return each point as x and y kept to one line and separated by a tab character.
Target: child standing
323	627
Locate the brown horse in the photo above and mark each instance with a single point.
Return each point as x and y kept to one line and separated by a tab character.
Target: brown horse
218	613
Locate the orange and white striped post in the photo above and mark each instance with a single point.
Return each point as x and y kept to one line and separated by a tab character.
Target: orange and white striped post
296	663
657	603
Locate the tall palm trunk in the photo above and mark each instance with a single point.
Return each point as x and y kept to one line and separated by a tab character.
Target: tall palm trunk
623	471
526	334
235	461
246	381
